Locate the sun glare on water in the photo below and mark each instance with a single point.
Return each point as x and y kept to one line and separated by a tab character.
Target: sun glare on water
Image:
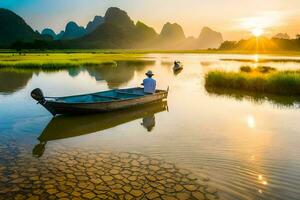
250	121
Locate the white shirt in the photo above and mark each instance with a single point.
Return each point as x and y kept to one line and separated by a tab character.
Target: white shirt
149	85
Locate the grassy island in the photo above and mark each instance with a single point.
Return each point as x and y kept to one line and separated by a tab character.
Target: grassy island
260	79
61	60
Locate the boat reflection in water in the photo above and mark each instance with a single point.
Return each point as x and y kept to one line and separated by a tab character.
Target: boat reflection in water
62	127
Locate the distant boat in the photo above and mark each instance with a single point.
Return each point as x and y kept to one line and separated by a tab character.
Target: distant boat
98	102
177	66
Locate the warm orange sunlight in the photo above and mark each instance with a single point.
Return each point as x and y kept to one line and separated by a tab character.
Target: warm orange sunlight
261	24
257	32
251	121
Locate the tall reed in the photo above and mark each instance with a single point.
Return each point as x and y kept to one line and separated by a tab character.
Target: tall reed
277	82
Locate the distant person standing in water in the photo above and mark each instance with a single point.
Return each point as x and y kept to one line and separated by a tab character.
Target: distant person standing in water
149	83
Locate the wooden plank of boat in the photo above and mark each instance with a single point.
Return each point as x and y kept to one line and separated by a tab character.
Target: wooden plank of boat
97	95
129	93
97	102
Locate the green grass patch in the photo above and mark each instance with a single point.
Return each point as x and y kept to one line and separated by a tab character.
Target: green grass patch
62	60
245	69
259	69
50	64
274	82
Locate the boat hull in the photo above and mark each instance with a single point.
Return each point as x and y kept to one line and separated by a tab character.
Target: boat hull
56	107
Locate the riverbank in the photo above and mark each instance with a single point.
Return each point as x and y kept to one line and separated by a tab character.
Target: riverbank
256	80
84	174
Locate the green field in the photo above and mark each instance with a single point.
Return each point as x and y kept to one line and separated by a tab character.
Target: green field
272	81
61	60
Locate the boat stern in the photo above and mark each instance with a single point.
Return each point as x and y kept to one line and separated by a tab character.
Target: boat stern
37	94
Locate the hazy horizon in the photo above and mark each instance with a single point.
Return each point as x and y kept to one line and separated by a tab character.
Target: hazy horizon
234	19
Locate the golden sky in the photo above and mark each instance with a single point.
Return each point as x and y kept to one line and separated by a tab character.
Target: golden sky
234	18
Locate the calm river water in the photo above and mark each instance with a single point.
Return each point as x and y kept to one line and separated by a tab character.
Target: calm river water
248	145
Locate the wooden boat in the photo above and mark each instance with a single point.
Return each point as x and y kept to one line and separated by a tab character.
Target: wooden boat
98	102
68	126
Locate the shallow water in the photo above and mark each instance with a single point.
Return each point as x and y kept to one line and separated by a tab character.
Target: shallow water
247	144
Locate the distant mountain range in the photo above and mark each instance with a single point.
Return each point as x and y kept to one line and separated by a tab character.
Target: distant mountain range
282	36
72	31
92	25
115	30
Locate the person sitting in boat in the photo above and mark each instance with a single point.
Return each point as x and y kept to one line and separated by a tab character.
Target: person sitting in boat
149	83
177	65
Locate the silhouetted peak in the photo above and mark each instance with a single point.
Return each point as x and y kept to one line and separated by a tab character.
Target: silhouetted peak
8	12
6	16
172	25
48	31
209	38
92	25
281	36
71	26
206	30
115	15
14	28
145	32
73	31
5	10
97	18
172	31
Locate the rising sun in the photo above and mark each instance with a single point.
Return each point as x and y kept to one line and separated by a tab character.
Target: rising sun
257	32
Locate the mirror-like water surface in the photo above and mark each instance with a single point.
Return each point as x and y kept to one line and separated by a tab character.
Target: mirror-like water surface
247	144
